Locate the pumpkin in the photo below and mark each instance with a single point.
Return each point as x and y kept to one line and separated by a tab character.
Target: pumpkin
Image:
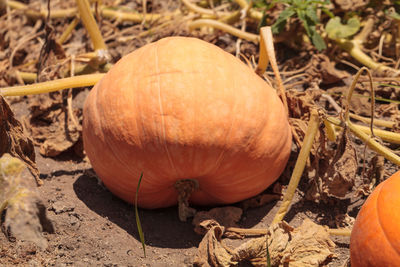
375	238
181	108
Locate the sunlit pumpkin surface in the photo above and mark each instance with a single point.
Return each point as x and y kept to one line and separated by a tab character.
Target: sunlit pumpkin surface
182	108
375	238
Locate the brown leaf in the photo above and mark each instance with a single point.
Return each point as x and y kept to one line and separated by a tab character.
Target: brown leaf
310	246
300	104
225	216
324	70
211	250
351	4
14	141
374	175
360	102
338	178
255	250
50	125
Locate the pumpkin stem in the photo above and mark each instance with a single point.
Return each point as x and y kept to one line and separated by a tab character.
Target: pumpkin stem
185	188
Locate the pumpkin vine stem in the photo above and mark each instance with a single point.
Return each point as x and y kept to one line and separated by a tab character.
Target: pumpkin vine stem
267	55
185	189
367	134
52	86
224	27
304	153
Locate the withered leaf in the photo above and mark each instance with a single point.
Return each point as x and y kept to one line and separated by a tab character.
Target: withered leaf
225	216
14	141
308	245
351	4
211	250
338	178
255	250
50	125
300	104
323	69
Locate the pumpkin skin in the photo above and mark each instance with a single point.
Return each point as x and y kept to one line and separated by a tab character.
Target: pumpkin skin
182	108
375	238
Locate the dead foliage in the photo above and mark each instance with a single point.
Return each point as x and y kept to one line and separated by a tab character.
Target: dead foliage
50	126
335	173
322	70
227	216
351	4
307	245
14	141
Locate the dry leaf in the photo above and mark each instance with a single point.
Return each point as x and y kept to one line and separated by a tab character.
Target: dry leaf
374	175
211	250
324	70
50	125
308	245
351	4
337	177
360	102
225	216
14	141
300	104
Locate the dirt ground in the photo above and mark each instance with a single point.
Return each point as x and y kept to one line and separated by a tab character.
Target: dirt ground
85	225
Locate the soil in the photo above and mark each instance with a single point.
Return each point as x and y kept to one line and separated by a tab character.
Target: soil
86	225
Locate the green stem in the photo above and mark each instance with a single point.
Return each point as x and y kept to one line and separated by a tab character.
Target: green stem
299	167
52	86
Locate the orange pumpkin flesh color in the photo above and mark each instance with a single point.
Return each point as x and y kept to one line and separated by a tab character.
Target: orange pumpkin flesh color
375	238
182	108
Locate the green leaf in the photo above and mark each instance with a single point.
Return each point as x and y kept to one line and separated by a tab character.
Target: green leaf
311	13
317	40
393	14
280	23
302	16
138	224
337	30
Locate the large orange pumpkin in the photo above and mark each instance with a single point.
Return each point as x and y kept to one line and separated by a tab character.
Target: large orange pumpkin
375	238
182	108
